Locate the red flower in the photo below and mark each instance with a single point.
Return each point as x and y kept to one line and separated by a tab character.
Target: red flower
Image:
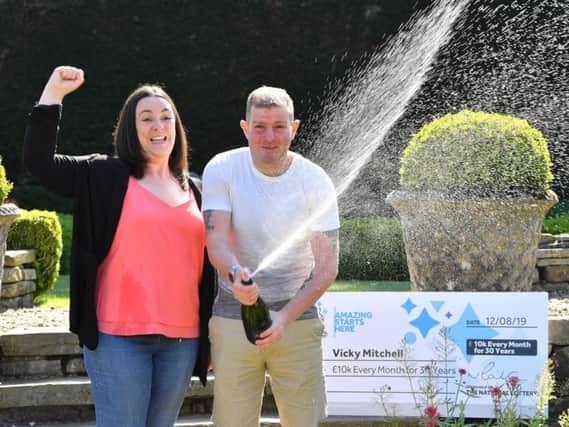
431	411
496	392
431	416
513	381
432	422
462	371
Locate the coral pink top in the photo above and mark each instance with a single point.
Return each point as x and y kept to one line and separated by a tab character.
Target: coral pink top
148	283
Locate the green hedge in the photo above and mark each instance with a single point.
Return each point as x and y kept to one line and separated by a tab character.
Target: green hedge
66	221
39	230
560	208
30	196
372	249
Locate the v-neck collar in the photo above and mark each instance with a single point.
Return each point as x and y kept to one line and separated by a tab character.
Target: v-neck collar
153	195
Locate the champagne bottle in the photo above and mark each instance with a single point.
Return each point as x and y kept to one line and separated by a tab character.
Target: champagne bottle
256	317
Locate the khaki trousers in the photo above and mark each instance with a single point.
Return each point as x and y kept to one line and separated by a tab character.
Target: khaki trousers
294	365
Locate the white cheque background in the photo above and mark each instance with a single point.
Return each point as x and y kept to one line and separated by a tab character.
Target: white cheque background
493	336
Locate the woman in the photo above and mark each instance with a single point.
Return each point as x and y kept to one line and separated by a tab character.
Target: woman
141	285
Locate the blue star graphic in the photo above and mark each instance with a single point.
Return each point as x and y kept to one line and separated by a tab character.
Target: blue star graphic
408	305
424	323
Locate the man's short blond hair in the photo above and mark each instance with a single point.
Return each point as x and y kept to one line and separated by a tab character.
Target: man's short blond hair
267	97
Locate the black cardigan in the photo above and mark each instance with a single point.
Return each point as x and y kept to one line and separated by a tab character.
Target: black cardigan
97	183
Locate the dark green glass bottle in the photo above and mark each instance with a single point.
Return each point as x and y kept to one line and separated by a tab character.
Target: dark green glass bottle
256	317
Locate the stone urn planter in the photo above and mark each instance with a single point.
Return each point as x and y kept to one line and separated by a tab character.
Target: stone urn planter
471	244
475	192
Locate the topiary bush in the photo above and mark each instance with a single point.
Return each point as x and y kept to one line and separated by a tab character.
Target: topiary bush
372	249
5	185
39	230
477	153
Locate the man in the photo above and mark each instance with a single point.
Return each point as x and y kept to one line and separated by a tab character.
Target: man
257	199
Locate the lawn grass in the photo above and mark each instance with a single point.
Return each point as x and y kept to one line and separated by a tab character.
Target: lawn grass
556	225
56	297
369	286
59	295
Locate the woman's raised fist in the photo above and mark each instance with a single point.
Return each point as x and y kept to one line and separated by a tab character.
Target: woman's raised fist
64	80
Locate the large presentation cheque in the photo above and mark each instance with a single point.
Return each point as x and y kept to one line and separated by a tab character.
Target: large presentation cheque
382	348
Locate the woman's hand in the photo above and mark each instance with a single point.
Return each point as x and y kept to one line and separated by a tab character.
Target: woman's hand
63	80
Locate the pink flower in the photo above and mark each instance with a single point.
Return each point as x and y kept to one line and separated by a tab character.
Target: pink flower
433	422
513	381
431	412
462	371
431	416
496	392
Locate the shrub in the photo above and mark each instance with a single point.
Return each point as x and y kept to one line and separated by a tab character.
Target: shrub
557	225
561	208
39	230
372	249
5	185
477	153
66	221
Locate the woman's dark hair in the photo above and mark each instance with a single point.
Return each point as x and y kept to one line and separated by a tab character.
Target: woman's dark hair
126	141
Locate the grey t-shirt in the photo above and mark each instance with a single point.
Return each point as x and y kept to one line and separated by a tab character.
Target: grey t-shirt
227	306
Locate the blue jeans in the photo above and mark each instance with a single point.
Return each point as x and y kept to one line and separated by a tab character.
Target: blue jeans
139	381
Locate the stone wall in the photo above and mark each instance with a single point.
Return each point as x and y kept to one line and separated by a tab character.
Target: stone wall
553	262
43	378
43	353
552	275
559	356
18	279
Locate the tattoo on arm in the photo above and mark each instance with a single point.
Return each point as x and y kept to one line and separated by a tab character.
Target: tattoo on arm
308	279
207	220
